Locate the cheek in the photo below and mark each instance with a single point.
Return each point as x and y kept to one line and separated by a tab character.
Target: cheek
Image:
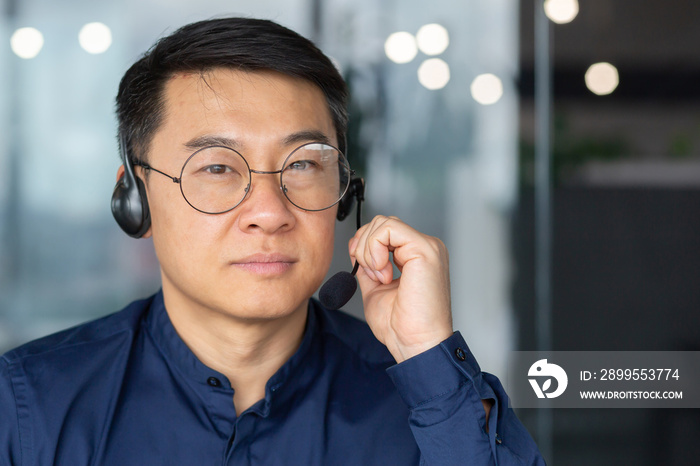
321	235
179	231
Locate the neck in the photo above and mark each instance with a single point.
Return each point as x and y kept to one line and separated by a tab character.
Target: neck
247	351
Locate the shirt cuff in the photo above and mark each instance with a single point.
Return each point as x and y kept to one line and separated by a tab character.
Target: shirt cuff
437	372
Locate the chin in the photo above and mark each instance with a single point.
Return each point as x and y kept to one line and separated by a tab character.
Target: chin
271	299
249	299
266	311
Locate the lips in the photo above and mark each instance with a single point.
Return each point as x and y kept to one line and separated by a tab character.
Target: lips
265	264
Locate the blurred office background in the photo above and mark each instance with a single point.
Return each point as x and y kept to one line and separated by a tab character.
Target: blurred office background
443	128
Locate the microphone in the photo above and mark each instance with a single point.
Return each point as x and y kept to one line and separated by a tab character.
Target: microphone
338	290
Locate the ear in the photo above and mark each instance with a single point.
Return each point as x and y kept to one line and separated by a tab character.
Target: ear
149	232
120	173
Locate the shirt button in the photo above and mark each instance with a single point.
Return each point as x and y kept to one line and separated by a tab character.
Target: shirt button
459	352
213	381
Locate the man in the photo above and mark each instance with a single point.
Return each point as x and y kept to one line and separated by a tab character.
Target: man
228	130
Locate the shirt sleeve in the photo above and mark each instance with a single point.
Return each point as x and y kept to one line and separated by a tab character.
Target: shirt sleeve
443	388
9	425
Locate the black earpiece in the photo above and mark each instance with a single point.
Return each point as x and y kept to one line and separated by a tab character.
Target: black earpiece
129	201
356	190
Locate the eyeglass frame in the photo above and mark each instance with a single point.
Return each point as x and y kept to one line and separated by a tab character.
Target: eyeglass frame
178	181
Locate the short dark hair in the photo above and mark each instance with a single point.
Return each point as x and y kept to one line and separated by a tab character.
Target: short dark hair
236	43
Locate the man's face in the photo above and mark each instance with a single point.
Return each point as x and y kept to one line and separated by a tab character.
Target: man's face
266	257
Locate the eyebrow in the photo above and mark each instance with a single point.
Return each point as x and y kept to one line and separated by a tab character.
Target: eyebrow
295	138
306	136
201	142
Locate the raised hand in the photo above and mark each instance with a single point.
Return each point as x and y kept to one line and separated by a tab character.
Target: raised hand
410	313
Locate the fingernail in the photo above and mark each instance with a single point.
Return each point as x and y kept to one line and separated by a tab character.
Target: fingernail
368	272
380	277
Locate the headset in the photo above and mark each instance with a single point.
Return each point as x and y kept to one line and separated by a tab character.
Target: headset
130	203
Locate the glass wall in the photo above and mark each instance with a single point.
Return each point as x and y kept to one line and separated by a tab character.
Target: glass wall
430	152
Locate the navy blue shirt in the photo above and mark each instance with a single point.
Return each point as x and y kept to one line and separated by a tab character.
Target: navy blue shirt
126	390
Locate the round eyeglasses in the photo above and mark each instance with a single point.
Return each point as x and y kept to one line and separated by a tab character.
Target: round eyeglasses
216	179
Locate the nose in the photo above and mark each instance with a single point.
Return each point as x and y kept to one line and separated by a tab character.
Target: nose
265	209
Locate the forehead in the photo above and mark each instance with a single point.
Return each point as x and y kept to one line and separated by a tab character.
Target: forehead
244	105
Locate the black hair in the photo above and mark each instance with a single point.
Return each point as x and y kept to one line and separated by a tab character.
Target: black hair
237	43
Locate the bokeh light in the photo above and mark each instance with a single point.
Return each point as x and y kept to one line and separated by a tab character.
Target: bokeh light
432	39
487	89
434	73
27	42
95	38
561	11
602	78
401	47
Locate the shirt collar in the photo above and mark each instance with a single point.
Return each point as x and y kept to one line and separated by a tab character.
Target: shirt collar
174	349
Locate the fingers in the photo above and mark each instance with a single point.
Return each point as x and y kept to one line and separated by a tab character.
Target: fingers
373	244
372	255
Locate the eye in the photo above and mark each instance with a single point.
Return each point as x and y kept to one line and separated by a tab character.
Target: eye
217	169
302	165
